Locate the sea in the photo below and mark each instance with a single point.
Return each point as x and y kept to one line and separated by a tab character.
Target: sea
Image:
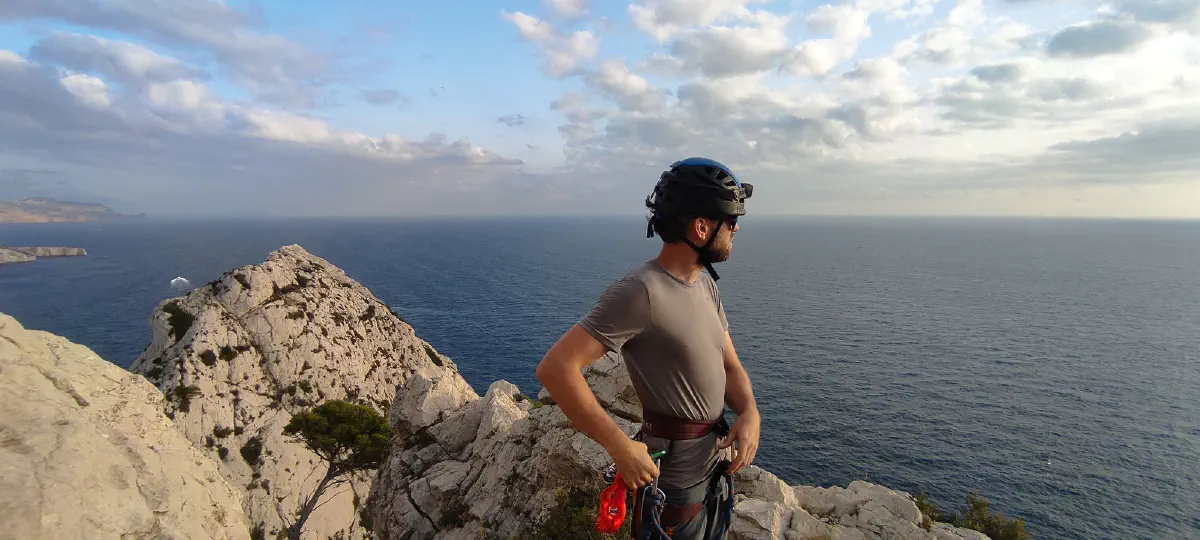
1051	366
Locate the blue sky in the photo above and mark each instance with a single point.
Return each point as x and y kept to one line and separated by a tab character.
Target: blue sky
964	107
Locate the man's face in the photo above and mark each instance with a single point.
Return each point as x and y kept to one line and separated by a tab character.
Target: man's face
722	247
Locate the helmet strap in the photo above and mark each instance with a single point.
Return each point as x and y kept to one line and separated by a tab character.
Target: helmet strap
705	252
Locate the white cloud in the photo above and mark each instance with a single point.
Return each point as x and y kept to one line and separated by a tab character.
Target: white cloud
661	19
564	54
532	28
272	67
118	60
721	51
90	90
182	136
569	8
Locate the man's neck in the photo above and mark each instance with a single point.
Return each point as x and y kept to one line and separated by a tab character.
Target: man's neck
680	260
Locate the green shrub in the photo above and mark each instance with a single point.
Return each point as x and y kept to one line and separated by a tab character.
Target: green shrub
252	450
977	515
574	516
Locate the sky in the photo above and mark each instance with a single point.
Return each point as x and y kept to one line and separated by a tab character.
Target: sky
571	107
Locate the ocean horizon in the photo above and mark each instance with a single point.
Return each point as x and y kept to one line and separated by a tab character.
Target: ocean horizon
1048	364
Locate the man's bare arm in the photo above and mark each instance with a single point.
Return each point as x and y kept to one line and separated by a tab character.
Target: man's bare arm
561	372
738	392
740	397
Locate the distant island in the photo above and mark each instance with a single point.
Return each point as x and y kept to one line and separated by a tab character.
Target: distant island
30	254
48	210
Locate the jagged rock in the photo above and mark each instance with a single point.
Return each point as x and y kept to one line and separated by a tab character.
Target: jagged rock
238	356
86	451
494	467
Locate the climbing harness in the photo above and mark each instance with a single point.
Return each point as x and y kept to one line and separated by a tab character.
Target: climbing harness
714	495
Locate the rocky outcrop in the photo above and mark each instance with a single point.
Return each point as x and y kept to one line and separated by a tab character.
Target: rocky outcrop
51	251
86	451
28	254
8	256
502	466
238	356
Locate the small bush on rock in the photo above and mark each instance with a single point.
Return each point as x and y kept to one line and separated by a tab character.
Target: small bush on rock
977	515
252	450
349	437
574	516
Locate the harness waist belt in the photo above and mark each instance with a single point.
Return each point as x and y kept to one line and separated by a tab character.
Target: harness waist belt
674	428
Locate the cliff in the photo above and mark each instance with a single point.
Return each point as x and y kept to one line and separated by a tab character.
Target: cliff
241	354
238	356
86	451
47	210
29	254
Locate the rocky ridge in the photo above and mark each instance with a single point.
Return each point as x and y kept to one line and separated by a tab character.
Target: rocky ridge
238	356
503	466
86	452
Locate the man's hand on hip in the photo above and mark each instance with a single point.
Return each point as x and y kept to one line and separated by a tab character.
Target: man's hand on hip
744	433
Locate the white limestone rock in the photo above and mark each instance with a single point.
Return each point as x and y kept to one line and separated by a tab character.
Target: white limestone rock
519	456
86	452
238	356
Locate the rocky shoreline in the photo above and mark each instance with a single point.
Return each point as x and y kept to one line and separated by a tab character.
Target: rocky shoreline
9	255
188	442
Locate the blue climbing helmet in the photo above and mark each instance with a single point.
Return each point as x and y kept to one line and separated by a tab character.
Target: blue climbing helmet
698	187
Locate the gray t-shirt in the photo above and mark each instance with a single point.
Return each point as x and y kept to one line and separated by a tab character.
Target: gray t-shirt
671	335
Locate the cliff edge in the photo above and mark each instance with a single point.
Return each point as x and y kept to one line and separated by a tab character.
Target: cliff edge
86	451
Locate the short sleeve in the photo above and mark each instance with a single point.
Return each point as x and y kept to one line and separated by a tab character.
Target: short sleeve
716	295
621	313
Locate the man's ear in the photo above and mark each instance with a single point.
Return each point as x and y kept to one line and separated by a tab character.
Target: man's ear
705	228
699	227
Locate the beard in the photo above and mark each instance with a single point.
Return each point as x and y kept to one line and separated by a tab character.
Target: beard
719	251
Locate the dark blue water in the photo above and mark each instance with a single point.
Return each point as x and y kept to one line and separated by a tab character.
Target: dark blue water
1052	366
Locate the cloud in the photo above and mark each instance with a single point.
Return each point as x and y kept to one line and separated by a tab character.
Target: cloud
274	68
569	8
178	137
661	19
513	120
117	60
564	53
1097	39
1180	12
870	105
381	97
722	51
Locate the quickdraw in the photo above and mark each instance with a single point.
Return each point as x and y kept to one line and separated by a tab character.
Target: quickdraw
614	500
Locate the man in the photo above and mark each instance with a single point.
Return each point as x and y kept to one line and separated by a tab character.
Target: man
667	320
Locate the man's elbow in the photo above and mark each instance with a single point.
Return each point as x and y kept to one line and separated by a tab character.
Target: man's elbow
543	370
